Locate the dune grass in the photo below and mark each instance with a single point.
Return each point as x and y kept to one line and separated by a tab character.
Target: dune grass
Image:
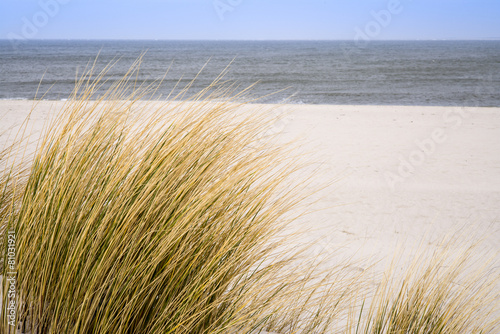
136	216
449	291
144	217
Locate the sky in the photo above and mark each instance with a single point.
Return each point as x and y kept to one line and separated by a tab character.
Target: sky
250	19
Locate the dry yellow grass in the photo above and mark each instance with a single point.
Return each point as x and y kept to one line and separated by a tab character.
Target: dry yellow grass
445	292
143	217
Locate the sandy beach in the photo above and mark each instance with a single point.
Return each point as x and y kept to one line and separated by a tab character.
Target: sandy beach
399	175
250	167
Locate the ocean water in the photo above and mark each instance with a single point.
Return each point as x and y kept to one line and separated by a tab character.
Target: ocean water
445	73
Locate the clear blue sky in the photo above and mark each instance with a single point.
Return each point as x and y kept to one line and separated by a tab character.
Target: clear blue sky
250	19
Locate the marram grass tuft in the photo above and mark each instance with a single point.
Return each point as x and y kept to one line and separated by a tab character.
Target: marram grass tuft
141	216
454	290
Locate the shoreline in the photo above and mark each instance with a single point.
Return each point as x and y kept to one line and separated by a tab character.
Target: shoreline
2	100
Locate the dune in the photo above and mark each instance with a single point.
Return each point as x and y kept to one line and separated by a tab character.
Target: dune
385	180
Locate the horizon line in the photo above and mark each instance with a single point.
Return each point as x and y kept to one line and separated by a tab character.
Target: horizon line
251	40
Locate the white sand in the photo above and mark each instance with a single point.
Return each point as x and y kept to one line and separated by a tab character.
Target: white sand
405	175
401	175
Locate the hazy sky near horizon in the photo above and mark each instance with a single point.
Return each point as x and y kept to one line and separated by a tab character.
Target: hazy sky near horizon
250	19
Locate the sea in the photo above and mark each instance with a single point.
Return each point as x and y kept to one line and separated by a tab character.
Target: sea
440	73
